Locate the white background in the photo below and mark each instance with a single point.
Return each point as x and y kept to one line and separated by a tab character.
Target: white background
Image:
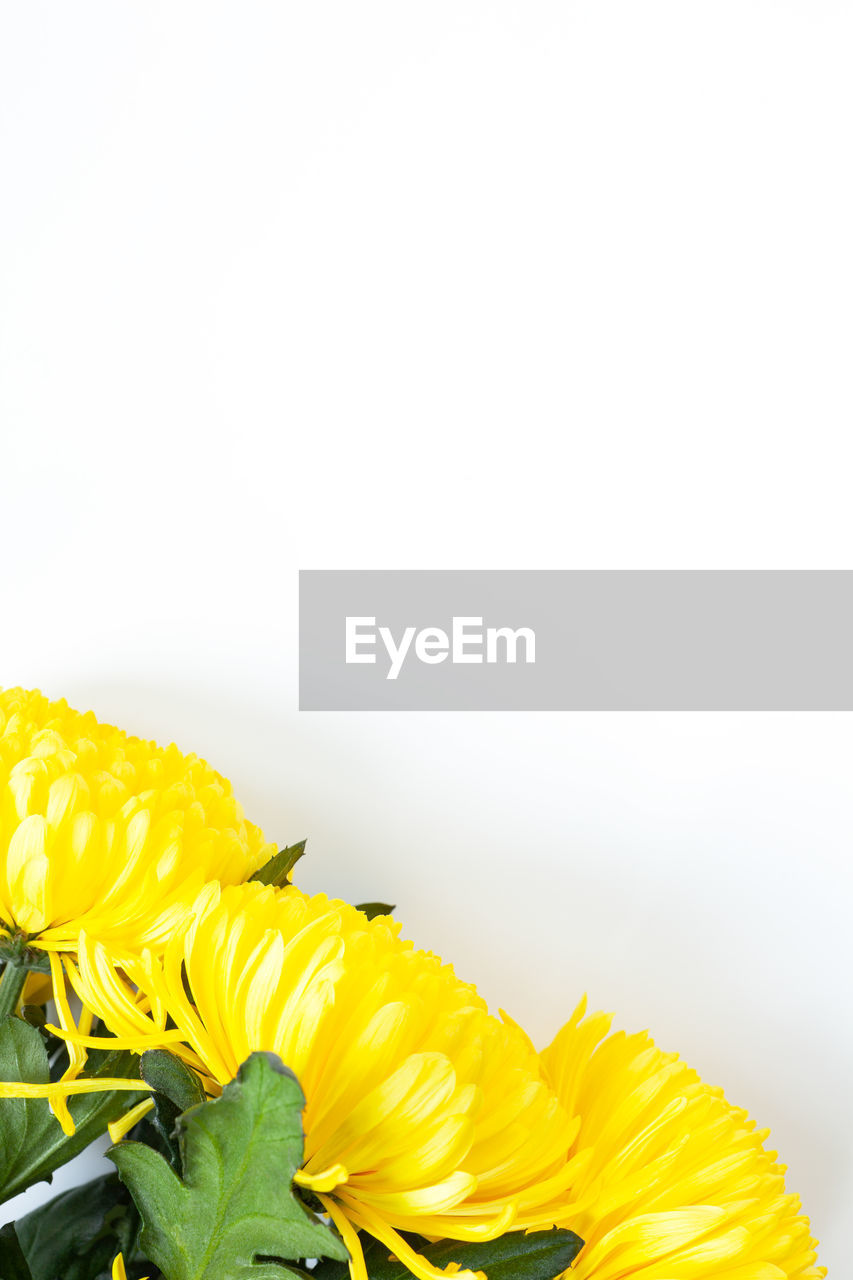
455	285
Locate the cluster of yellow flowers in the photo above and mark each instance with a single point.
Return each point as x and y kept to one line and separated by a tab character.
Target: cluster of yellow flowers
129	865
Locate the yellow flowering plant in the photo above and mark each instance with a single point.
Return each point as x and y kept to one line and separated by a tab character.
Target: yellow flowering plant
103	832
292	1088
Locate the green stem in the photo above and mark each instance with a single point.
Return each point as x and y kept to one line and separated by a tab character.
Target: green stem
11	986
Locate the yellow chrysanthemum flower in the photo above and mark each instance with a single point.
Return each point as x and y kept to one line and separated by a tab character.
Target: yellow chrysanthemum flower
107	833
423	1112
103	832
670	1182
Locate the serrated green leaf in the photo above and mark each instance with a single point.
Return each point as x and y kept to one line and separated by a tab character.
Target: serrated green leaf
537	1255
374	909
235	1204
176	1089
77	1235
169	1076
32	1143
13	1263
277	870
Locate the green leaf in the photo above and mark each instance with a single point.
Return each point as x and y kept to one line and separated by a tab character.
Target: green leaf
176	1089
374	909
277	870
13	1263
77	1235
235	1202
34	1014
170	1077
539	1255
32	1143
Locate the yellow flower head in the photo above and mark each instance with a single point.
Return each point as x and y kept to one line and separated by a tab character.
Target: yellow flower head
669	1180
107	833
423	1112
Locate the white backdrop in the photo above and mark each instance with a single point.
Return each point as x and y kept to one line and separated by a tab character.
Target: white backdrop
455	285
